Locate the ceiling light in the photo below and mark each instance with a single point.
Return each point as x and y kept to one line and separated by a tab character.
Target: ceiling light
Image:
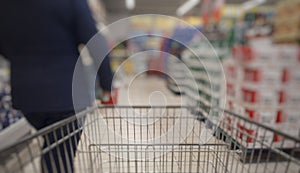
184	8
251	4
130	4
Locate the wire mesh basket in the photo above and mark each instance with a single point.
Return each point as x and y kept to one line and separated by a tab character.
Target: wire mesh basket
152	139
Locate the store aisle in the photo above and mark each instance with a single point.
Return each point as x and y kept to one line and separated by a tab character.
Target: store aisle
145	90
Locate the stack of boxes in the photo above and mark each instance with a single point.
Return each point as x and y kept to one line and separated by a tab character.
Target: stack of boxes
262	84
233	75
287	22
288	114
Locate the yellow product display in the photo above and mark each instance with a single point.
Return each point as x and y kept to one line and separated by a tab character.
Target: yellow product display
114	64
128	67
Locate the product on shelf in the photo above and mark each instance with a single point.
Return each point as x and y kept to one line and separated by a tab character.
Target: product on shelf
264	80
209	90
262	83
8	115
287	28
176	74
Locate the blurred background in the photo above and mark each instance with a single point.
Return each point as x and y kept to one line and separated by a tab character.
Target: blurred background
257	42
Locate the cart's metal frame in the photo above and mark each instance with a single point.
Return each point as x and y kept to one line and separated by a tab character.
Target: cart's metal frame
158	139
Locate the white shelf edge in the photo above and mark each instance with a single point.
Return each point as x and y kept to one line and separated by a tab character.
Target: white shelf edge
14	132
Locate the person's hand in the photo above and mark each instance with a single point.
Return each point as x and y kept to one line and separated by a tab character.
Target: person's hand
107	98
106	95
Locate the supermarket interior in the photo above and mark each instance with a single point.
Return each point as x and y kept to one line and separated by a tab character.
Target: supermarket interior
189	86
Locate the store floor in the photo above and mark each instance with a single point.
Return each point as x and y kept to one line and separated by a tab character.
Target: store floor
146	90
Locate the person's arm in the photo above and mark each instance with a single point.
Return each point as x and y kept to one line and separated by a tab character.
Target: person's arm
105	69
98	47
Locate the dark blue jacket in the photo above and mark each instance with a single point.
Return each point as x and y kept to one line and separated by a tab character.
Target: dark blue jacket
40	38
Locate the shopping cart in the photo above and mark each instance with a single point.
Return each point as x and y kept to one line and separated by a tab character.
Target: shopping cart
159	139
